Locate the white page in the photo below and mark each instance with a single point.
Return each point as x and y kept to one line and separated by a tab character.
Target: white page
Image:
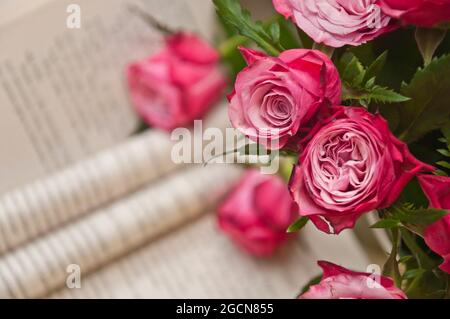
198	261
32	210
62	91
39	267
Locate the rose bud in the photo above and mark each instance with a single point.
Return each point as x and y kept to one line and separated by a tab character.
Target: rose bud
425	13
351	166
340	283
178	84
257	213
275	97
336	23
437	235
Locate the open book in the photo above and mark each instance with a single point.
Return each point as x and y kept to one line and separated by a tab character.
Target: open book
80	192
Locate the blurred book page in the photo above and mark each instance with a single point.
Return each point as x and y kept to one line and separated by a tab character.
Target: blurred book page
198	261
32	210
36	269
62	90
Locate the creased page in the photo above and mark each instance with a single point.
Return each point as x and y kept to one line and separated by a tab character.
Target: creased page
62	88
38	207
36	269
198	261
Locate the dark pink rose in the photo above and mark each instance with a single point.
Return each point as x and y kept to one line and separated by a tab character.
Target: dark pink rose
275	97
257	213
340	283
337	22
178	84
437	235
351	166
425	13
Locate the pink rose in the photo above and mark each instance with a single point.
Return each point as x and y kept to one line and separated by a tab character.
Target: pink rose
425	13
275	97
351	166
178	84
257	213
340	283
437	235
337	22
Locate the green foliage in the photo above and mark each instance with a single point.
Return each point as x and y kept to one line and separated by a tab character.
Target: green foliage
413	98
391	268
407	215
297	225
426	284
445	152
428	109
403	61
266	37
375	68
359	81
387	224
428	40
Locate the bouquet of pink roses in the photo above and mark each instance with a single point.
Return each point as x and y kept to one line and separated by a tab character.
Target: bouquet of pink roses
358	92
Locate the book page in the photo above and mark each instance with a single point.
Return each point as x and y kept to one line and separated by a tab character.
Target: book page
38	268
198	261
62	90
38	207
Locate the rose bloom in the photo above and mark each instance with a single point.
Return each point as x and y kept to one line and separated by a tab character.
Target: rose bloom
425	13
351	166
178	84
257	213
340	283
437	235
337	22
275	97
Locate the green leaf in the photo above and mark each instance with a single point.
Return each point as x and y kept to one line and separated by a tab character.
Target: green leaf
359	83
444	164
387	223
412	273
274	31
385	95
440	172
297	225
427	284
428	108
444	152
234	15
353	72
428	40
374	94
375	67
445	129
316	280
390	268
421	217
405	259
424	261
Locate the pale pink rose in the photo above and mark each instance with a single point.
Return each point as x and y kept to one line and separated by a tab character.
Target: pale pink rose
275	97
340	283
178	84
437	235
351	166
337	22
257	213
425	13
